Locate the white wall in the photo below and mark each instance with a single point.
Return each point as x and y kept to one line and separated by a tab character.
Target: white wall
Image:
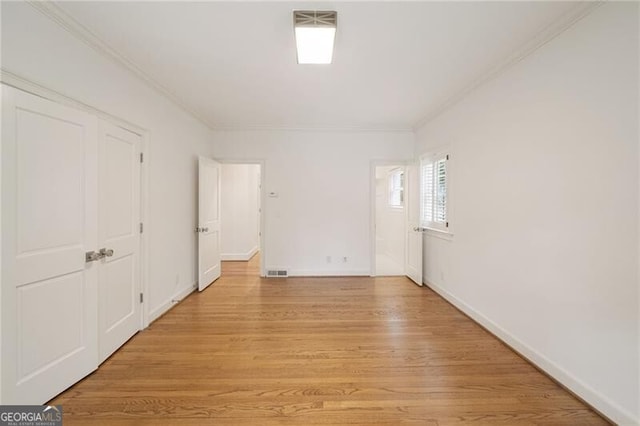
37	49
390	226
545	187
322	182
239	211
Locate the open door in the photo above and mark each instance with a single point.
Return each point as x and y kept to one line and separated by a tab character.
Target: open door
413	257
208	222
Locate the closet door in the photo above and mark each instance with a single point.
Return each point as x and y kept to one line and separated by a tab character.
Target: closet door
119	237
49	222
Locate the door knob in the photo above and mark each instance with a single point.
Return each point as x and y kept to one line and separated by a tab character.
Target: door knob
205	229
106	252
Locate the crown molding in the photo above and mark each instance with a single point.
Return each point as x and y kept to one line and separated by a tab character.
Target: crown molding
551	31
345	129
56	14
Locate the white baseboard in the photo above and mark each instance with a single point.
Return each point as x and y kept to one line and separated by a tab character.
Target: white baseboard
328	273
599	402
167	305
240	256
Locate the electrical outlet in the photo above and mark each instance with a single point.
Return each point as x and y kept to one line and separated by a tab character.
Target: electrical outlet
328	259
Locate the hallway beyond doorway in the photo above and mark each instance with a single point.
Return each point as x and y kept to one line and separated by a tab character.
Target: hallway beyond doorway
240	268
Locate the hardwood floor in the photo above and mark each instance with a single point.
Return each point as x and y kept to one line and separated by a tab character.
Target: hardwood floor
317	351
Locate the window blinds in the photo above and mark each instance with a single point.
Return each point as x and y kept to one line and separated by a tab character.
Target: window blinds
440	190
427	193
434	191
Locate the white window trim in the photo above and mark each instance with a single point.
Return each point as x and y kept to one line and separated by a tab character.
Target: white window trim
433	228
436	233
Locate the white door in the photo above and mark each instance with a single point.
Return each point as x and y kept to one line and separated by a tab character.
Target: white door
119	237
208	222
413	257
49	222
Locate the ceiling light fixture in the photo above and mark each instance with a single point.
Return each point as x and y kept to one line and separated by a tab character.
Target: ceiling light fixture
315	32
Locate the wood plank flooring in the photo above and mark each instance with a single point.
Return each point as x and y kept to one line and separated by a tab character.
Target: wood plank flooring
317	351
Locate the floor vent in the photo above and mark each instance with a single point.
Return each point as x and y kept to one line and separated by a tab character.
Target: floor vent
277	273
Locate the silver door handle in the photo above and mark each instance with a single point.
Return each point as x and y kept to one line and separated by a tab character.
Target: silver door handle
92	256
419	229
106	252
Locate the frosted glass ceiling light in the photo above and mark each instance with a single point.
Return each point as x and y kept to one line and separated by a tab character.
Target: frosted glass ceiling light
315	33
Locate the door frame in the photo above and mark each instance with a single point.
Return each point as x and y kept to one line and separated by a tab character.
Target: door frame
372	207
14	80
263	208
144	237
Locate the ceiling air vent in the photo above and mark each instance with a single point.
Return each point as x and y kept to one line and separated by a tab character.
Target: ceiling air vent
277	273
315	18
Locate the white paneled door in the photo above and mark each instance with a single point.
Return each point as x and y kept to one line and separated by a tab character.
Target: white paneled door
118	237
413	266
70	245
208	222
49	222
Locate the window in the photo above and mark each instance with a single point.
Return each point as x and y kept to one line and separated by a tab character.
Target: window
435	192
396	188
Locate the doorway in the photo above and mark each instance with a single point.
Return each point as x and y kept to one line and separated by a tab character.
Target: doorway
241	217
390	220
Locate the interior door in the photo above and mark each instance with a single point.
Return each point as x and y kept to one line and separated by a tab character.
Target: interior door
413	257
49	221
208	222
119	237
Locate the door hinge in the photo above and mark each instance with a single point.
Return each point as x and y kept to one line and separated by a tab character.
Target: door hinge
141	228
447	156
141	297
446	224
141	157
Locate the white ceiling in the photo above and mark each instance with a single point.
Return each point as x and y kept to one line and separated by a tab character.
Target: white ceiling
234	64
